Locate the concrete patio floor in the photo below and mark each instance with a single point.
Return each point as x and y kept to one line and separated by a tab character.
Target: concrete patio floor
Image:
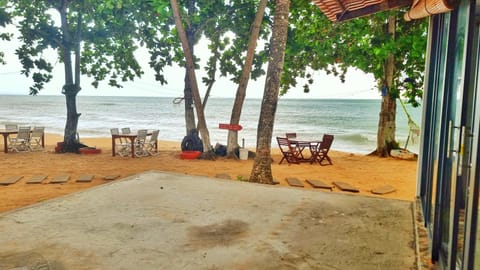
159	220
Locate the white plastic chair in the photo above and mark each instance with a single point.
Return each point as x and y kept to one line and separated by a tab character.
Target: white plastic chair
21	142
140	143
151	143
11	137
36	137
122	146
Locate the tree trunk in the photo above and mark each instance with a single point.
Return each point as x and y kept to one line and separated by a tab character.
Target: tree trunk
211	75
71	88
207	93
202	124
386	123
386	126
187	91
70	141
232	140
262	169
189	114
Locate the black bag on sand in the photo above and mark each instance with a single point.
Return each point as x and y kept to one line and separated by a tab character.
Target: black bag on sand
220	150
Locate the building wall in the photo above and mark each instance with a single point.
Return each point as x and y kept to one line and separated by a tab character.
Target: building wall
448	166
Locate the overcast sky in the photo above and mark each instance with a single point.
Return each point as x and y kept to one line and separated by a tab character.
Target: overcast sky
357	85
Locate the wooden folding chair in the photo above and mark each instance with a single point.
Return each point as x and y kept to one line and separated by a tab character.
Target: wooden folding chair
291	135
320	153
289	152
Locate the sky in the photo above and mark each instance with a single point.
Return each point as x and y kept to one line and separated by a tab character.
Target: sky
358	85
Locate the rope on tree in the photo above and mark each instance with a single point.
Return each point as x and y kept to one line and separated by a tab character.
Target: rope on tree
178	100
413	128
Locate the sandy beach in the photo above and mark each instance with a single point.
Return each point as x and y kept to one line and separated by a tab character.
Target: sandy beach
363	172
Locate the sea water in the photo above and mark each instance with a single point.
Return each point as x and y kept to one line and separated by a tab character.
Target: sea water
353	122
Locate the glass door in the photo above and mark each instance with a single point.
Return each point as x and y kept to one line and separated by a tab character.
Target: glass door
449	172
450	178
432	119
471	164
461	120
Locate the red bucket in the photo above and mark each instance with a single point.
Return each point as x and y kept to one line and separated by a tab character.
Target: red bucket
190	154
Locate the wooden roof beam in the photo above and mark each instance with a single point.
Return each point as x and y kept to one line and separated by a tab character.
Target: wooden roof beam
386	5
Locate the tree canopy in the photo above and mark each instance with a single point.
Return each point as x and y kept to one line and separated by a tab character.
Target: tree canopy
316	43
103	36
224	25
105	31
91	37
391	49
5	18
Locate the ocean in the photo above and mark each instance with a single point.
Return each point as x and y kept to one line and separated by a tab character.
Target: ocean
353	122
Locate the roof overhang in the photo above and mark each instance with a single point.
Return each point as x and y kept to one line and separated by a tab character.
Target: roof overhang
342	10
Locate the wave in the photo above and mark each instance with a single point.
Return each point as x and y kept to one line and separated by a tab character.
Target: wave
357	138
107	104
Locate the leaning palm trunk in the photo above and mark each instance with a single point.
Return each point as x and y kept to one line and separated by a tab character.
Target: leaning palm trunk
262	166
187	91
232	141
202	125
189	113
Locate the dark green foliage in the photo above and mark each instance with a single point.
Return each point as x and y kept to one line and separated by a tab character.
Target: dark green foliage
105	31
5	19
91	37
225	25
315	43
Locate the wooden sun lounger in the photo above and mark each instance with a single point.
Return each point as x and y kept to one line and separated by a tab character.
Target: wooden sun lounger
85	178
36	179
346	187
319	184
294	182
111	177
60	179
383	190
10	180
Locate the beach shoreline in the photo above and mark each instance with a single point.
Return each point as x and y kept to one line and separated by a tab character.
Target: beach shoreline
361	171
353	122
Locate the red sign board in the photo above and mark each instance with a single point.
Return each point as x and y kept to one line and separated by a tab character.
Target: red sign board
230	127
